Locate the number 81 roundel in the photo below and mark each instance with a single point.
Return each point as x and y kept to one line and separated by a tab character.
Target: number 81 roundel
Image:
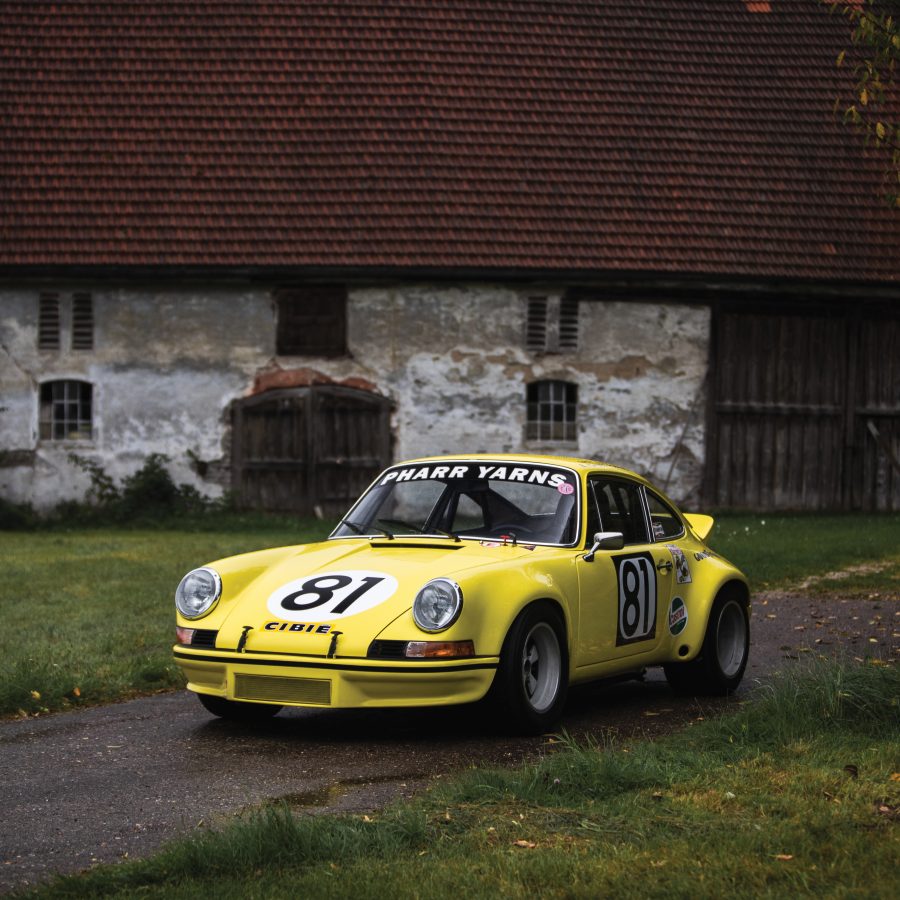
637	598
331	595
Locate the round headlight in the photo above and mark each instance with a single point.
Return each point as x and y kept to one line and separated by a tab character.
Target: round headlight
437	605
197	592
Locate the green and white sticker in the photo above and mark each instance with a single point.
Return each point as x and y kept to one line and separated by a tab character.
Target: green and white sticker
678	616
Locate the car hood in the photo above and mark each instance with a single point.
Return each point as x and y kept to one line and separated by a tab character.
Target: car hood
296	600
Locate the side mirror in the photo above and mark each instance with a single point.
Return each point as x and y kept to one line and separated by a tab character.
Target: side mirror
605	540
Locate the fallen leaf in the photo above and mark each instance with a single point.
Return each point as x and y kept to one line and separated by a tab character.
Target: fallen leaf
649	712
784	857
528	845
76	691
895	776
35	695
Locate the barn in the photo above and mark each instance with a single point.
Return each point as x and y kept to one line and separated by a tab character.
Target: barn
286	242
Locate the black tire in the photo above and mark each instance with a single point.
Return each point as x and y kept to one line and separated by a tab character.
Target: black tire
719	667
532	680
237	711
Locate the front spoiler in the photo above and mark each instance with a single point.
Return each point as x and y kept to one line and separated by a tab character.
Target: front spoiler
339	683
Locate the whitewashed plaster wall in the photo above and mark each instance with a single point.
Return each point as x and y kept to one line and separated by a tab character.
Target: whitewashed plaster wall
167	363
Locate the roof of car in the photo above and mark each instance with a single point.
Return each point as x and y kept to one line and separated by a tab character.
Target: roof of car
579	465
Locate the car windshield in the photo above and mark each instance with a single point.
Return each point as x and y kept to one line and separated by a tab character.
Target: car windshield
485	500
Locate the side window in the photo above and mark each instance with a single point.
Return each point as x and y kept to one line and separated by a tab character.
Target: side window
664	520
618	507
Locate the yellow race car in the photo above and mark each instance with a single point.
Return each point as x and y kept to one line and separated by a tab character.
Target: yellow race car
454	579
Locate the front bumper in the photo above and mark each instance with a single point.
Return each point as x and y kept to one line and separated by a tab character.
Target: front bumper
338	683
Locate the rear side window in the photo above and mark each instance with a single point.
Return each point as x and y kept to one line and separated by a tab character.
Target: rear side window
663	519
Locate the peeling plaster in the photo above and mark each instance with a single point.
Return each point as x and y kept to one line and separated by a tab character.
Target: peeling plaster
168	362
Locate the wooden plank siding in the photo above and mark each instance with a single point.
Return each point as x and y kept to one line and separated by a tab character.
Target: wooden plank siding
792	396
309	450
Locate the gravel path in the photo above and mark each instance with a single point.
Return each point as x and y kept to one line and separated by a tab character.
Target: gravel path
103	784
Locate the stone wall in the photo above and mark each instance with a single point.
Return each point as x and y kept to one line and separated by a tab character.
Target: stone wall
167	362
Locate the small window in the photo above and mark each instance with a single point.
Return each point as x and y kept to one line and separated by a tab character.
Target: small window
312	321
552	408
663	519
48	322
551	325
568	324
66	411
536	325
616	505
82	322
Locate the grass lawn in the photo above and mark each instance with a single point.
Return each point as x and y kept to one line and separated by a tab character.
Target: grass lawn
796	794
88	613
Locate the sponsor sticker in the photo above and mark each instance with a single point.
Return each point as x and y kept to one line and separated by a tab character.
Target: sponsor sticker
678	616
704	554
312	628
564	482
636	578
330	595
682	569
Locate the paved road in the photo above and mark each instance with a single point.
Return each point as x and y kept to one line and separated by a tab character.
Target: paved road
101	784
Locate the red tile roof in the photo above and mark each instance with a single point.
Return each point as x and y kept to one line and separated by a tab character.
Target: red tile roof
683	136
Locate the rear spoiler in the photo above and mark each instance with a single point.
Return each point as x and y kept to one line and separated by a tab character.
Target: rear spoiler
701	525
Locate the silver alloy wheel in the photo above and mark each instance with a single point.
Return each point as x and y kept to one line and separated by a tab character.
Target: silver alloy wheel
541	667
731	638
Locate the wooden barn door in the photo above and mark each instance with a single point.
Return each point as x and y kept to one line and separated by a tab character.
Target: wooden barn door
797	401
308	450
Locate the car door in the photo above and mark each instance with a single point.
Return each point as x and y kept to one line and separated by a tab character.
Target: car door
623	594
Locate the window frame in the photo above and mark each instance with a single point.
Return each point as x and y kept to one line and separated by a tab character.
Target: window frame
291	307
535	429
648	493
593	477
47	427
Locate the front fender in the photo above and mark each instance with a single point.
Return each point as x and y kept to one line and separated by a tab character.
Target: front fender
492	599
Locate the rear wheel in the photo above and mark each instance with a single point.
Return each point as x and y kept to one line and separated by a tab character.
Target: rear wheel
237	711
719	667
533	676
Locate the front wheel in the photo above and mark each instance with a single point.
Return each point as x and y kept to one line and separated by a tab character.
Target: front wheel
719	667
533	676
237	711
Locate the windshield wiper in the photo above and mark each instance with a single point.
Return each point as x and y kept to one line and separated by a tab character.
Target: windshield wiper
402	524
419	530
357	530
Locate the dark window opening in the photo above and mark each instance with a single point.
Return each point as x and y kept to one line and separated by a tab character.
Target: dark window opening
551	324
66	411
48	322
82	322
568	324
536	324
551	413
311	321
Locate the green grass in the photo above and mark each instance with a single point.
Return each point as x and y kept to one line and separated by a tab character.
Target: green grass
88	614
776	551
796	794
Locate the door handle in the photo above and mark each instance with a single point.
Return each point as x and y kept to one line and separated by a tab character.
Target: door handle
664	565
